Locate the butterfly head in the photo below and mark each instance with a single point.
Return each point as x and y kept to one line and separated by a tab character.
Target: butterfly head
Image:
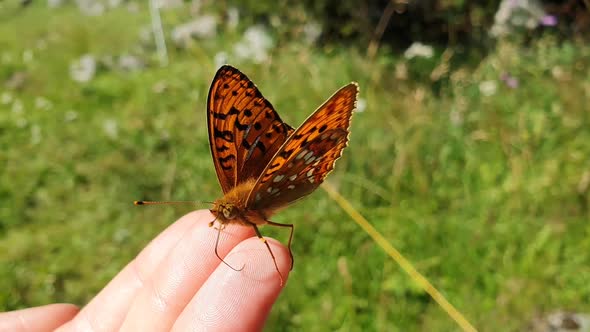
225	212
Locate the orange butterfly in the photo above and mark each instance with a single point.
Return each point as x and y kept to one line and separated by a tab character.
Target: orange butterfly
261	162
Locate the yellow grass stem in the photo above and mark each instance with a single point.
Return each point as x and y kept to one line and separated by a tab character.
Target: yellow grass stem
399	258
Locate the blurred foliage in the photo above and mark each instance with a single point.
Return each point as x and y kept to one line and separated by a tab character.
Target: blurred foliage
440	22
482	183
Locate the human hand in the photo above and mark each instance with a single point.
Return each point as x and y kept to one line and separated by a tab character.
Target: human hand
177	283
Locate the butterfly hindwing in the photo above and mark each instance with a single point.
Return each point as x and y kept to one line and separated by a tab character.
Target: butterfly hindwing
244	129
308	155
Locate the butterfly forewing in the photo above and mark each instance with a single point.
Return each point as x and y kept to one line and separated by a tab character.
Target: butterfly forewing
244	129
308	155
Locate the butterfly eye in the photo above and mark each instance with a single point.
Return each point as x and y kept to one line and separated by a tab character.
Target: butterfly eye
229	212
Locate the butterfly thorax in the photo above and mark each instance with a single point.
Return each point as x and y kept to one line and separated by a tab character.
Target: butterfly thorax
232	207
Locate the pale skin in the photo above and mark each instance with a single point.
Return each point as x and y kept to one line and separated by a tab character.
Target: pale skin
177	283
231	209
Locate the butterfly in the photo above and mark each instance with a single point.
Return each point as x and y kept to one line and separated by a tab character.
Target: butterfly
262	163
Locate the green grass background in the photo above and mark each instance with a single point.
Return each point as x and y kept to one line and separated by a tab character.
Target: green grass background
487	195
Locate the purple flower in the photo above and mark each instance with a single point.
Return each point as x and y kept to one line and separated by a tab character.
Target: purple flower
548	20
509	80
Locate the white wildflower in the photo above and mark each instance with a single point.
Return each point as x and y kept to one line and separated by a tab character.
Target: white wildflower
71	116
418	49
201	27
513	14
145	35
233	18
111	128
311	32
5	98
54	3
488	88
27	56
159	87
90	7
254	45
563	321
130	63
17	107
456	117
220	59
167	4
83	69
43	103
114	3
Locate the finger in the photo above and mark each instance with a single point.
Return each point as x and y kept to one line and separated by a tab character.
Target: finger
107	310
44	318
238	301
181	274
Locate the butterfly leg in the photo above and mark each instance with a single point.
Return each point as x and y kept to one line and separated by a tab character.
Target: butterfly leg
216	245
269	250
219	228
290	237
212	222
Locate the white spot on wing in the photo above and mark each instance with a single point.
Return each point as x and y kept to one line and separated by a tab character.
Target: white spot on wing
278	178
301	154
293	177
290	186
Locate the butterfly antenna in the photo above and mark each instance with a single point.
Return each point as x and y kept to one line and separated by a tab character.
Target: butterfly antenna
169	202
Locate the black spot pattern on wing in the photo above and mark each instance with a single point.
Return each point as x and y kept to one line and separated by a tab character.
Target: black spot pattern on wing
244	129
308	155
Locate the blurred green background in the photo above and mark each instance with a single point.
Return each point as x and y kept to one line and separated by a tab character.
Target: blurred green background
470	151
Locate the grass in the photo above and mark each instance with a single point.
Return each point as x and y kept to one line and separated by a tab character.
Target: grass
487	195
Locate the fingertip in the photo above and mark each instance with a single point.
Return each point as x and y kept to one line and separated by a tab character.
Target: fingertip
179	260
247	294
68	309
44	318
182	272
258	261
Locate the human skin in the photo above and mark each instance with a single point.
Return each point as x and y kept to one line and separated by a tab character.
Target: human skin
177	283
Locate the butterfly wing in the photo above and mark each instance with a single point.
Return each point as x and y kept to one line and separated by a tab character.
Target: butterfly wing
245	131
308	155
